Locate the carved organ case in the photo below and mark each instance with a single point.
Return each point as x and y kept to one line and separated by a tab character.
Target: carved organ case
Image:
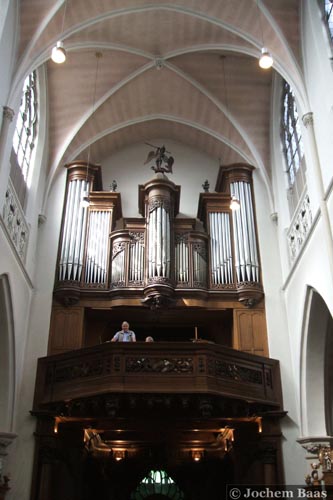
159	261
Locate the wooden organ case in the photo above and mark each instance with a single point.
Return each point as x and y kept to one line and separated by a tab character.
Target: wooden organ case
195	286
193	271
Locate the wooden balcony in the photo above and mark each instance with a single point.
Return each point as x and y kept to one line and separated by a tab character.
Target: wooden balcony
111	373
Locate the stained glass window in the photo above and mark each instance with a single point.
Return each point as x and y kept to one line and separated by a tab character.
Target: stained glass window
157	482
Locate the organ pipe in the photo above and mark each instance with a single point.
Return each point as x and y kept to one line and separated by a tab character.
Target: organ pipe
72	245
136	258
182	259
158	242
220	248
247	260
97	244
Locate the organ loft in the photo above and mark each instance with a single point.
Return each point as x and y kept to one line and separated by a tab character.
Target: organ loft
135	420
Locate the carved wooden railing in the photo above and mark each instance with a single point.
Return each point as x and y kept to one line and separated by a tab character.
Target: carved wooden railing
157	368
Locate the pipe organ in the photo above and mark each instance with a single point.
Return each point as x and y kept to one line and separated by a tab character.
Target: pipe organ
159	254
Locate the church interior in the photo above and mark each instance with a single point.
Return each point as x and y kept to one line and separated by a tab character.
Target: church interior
165	166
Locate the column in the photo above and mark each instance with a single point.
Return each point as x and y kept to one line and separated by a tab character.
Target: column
7	118
319	184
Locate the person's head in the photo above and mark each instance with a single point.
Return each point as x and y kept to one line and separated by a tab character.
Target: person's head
125	326
149	339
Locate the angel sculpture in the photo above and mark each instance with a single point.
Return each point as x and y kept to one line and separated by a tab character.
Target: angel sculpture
163	162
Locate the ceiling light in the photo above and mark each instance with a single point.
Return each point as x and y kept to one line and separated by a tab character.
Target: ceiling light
234	203
265	60
58	53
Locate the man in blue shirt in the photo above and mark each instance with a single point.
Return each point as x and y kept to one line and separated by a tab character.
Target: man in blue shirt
124	335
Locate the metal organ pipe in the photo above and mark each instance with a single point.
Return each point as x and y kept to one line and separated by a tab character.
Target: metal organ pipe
136	263
247	261
72	247
158	242
96	261
220	243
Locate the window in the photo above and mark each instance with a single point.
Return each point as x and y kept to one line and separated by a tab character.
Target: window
291	134
329	15
292	146
24	140
158	483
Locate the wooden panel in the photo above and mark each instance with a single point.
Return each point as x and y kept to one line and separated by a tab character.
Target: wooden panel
128	368
66	330
249	333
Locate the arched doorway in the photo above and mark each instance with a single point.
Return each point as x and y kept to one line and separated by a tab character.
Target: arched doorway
316	367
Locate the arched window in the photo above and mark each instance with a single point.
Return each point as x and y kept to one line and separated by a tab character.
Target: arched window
157	484
328	5
24	140
292	146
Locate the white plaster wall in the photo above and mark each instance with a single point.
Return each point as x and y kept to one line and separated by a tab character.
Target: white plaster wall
191	169
21	294
279	337
8	33
317	51
20	461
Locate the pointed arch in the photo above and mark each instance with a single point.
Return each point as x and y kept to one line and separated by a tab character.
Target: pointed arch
316	367
7	355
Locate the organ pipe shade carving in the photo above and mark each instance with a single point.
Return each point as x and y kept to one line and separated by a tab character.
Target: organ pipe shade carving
74	233
220	248
96	268
118	264
158	240
245	241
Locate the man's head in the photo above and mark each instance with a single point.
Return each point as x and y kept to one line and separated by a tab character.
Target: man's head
125	326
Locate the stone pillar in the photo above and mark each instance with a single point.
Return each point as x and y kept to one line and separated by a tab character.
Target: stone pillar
320	451
319	184
7	118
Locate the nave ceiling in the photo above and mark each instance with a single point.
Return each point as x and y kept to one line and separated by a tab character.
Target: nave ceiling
184	70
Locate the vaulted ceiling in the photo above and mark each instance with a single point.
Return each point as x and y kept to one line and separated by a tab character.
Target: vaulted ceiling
185	70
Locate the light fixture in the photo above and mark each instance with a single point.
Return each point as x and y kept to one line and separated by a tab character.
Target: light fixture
265	59
234	203
58	54
85	202
118	455
196	455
